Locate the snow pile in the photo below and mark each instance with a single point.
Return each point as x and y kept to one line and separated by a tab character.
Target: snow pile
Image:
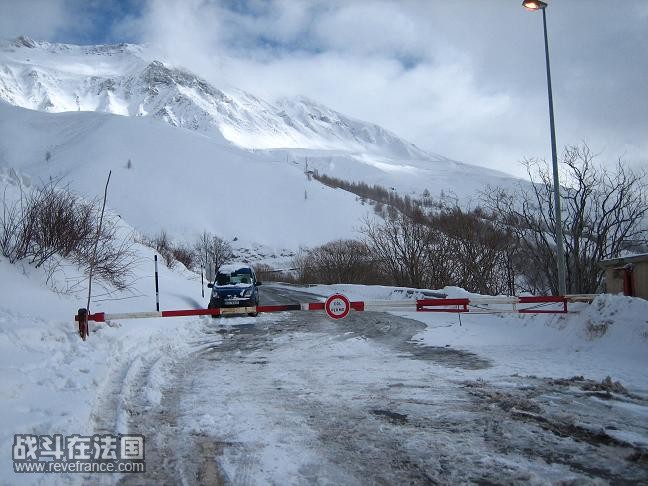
52	380
617	322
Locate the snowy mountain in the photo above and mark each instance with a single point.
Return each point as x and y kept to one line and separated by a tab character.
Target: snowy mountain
127	79
187	157
123	79
202	157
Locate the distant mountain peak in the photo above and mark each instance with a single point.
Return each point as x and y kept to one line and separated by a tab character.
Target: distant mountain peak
124	79
24	41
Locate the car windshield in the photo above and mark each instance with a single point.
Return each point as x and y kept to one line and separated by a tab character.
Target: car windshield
241	276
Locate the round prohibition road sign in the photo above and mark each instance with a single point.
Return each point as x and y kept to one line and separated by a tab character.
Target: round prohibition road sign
337	306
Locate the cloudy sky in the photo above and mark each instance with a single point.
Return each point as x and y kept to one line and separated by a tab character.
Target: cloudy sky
462	78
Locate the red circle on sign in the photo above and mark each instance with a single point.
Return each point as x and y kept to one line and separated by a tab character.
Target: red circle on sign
337	306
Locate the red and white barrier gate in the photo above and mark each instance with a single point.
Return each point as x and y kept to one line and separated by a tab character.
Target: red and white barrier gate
337	306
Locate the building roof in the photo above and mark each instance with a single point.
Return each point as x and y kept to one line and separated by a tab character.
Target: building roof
615	262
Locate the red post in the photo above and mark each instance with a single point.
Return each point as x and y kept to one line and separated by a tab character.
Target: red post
628	286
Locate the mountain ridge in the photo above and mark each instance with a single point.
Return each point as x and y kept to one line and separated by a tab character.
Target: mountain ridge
125	79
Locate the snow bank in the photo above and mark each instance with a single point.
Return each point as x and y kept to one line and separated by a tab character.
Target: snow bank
52	382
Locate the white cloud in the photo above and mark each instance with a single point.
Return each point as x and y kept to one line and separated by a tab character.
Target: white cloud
40	19
465	79
381	29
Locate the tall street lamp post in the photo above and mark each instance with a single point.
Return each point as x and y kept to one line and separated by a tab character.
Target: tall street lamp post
560	250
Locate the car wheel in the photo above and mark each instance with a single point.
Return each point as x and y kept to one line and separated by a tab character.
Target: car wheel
254	314
210	306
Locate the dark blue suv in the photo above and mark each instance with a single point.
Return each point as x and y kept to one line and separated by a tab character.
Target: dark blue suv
235	285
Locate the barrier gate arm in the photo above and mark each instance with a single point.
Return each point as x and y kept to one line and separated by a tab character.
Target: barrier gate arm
420	305
312	306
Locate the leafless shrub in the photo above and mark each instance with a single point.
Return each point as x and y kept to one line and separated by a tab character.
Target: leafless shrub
163	245
184	255
265	272
53	222
11	224
57	221
114	257
208	250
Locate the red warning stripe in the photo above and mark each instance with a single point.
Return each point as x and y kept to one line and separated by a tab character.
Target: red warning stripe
441	305
543	300
190	312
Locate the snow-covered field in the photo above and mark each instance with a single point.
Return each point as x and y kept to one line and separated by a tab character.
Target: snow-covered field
55	383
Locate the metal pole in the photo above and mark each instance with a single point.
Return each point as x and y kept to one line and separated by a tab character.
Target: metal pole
560	250
94	252
202	281
157	288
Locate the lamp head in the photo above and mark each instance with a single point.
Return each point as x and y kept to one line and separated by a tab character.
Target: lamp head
534	4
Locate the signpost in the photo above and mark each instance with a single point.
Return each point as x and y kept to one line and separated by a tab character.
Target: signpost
337	306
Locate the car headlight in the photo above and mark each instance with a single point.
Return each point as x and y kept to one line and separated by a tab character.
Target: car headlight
248	293
215	293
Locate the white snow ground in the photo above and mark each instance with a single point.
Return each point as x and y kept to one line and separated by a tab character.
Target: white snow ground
54	383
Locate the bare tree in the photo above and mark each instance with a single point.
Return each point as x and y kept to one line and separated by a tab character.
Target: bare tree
479	254
212	251
604	211
450	248
401	245
163	245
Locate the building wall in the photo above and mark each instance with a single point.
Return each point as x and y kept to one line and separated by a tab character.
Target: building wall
614	279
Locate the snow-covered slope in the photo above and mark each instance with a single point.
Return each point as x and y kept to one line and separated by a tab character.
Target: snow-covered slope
129	80
180	180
